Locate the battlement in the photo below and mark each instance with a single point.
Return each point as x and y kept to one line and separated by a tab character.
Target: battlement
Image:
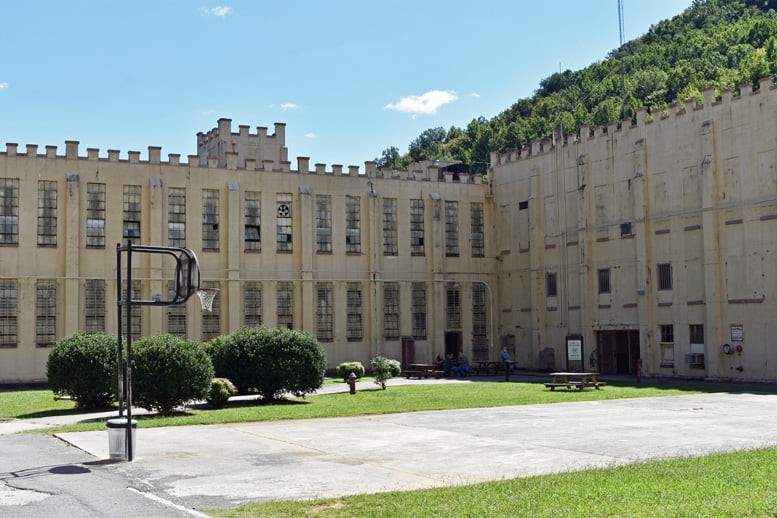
767	91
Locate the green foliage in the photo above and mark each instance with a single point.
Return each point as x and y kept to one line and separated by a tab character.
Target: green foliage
221	389
384	369
84	367
345	369
168	371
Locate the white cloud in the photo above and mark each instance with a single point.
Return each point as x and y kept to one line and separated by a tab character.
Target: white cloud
310	135
473	94
289	106
427	103
3	85
220	11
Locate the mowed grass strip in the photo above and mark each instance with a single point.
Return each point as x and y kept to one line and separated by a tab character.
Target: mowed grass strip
734	484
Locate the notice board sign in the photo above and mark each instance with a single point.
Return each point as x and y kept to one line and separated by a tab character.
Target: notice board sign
575	352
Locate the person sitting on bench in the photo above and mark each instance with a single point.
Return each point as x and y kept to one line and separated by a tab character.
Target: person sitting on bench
506	359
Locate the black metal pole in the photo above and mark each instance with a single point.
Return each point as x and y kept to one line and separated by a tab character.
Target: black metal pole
128	301
120	351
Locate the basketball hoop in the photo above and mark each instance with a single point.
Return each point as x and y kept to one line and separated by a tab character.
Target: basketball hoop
207	295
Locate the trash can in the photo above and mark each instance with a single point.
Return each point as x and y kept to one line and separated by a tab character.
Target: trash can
117	434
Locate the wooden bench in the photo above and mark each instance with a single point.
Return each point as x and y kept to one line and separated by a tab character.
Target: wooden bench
422	370
580	380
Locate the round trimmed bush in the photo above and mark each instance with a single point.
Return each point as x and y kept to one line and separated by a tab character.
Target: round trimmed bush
236	358
345	369
168	371
84	366
221	389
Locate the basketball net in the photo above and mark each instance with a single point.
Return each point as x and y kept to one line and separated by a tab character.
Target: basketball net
207	295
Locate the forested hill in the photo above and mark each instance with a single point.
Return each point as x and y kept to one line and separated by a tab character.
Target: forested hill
714	43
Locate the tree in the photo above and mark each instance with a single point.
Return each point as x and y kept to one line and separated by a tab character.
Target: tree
427	145
390	158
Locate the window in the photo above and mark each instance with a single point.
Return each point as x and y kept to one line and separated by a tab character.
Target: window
47	213
252	210
604	280
137	315
323	224
697	333
9	211
94	306
477	240
390	243
131	214
523	205
479	317
283	234
176	314
551	287
665	276
176	216
354	327
353	240
419	311
45	313
453	306
9	310
626	229
451	229
324	312
210	219
252	304
391	311
667	346
417	227
285	305
95	215
211	320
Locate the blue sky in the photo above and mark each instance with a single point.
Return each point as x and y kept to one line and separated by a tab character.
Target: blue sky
348	77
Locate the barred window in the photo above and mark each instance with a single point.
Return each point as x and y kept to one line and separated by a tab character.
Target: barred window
94	306
210	219
95	215
417	227
252	304
9	211
252	212
479	307
390	246
664	276
176	314
626	229
667	334
353	238
391	311
453	306
354	329
283	237
324	312
47	213
604	280
667	345
211	320
137	315
551	286
419	310
285	305
9	310
477	240
697	333
131	214
45	313
452	228
323	223
176	216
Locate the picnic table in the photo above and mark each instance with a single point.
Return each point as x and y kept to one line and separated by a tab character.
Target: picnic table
489	368
578	380
422	370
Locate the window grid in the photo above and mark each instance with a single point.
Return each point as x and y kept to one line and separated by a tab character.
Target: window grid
391	311
283	237
419	310
604	280
252	212
252	304
324	312
176	216
453	307
390	243
131	214
94	306
95	215
696	333
9	332
45	313
323	223
47	213
176	314
479	307
478	230
353	241
551	284
137	315
285	305
664	271
210	219
667	345
451	229
667	334
211	320
9	211
354	328
417	227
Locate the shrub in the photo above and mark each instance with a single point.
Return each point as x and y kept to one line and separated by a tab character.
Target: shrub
384	369
221	389
168	371
345	369
84	366
236	358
